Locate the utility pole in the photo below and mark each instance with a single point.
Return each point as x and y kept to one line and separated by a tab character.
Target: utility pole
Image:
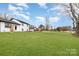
47	20
47	23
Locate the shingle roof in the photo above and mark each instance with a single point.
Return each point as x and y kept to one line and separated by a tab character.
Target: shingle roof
23	22
10	21
20	21
7	21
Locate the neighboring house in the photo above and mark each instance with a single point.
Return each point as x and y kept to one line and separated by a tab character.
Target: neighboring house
64	28
7	26
23	25
31	28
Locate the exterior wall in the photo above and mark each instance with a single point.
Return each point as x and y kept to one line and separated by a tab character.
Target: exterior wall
12	27
2	27
18	28
22	26
7	30
27	28
31	30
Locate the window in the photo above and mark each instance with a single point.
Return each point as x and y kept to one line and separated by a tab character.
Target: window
22	29
15	27
7	25
27	25
22	24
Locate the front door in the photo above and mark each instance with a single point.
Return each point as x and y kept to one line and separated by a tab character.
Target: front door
11	28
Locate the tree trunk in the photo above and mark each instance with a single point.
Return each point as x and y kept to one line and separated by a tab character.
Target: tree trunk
74	26
77	28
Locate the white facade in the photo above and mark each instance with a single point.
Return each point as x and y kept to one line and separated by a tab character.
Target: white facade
31	30
15	28
22	27
15	25
3	28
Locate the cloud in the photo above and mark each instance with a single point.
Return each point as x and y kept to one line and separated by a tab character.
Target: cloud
22	5
17	11
19	8
55	8
22	16
42	5
40	18
54	19
27	13
59	9
12	8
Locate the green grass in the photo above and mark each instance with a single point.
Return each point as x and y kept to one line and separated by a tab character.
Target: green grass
38	44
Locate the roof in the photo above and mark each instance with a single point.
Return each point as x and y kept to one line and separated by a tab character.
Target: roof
13	22
20	21
23	22
7	21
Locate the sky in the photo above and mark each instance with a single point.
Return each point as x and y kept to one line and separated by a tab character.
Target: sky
36	13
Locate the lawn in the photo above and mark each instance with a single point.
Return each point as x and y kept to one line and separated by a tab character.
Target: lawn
38	44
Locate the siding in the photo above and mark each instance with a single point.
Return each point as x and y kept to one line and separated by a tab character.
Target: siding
20	28
2	27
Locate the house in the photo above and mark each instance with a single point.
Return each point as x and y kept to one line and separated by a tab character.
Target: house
13	25
23	25
32	28
7	26
64	28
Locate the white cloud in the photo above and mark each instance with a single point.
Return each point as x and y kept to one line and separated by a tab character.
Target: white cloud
22	15
40	18
55	8
58	7
12	8
17	11
22	5
54	19
27	13
42	5
19	8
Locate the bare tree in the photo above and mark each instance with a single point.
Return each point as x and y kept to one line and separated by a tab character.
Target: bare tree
72	10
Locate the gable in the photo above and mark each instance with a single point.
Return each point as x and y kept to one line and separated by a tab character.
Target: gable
15	21
19	21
